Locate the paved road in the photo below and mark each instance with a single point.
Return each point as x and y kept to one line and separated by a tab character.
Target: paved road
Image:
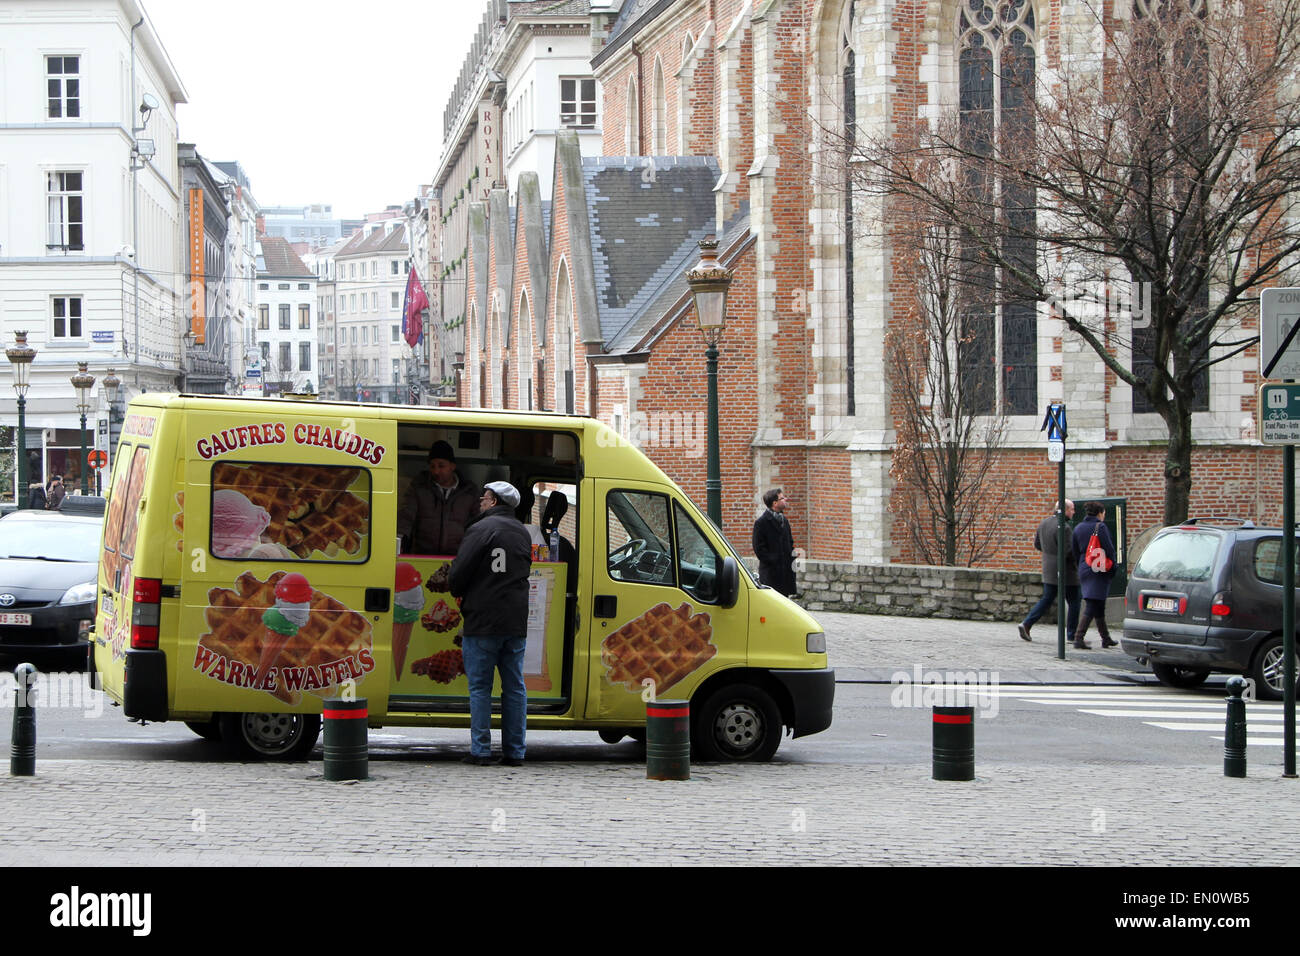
595	806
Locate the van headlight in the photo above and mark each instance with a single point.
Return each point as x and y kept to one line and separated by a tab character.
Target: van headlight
817	642
79	594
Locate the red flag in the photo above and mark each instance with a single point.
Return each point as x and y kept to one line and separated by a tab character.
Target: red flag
416	302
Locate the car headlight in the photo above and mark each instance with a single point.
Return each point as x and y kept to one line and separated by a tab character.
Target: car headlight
817	642
79	594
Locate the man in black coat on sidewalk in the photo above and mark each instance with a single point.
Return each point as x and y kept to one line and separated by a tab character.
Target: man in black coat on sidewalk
490	574
774	544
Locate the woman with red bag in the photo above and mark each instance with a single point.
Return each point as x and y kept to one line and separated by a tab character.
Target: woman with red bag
1096	551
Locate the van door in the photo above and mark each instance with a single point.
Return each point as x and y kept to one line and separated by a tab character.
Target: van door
287	591
657	628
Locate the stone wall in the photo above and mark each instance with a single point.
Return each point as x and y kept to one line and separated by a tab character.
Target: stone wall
911	590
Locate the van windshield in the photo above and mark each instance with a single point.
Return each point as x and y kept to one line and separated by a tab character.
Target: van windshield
1180	555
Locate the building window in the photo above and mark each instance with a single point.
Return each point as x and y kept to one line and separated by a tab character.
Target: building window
374	301
283	287
266	353
264	285
66	218
284	316
354	335
998	355
397	331
365	335
374	269
659	129
304	286
578	103
63	86
395	266
396	302
304	317
67	317
286	359
264	317
353	271
304	356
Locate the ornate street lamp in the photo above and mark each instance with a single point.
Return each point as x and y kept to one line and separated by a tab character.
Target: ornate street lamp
83	382
111	384
709	282
21	356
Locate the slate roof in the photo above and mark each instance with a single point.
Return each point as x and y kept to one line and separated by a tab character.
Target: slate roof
369	241
634	15
646	223
280	259
657	312
548	8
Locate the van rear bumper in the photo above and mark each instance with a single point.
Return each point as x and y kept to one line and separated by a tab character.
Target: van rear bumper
144	685
813	694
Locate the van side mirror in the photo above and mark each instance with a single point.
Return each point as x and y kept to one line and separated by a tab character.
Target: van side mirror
728	582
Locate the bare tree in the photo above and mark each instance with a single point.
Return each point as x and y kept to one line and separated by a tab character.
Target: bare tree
1170	158
949	493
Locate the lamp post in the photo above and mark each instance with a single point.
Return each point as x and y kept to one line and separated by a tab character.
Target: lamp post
83	382
21	356
111	383
709	282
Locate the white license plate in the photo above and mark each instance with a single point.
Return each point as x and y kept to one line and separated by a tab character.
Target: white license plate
23	619
1165	605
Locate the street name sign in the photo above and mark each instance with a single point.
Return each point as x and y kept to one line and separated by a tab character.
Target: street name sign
1278	410
1279	343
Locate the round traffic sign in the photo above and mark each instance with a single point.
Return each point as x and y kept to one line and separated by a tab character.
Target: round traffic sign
97	458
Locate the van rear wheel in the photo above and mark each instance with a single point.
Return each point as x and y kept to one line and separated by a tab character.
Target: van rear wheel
270	736
736	722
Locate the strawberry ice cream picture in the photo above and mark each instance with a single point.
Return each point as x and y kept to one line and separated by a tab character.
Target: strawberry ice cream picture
237	524
292	606
409	601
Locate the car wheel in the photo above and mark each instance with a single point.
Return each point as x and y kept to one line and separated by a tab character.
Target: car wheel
611	736
207	729
736	722
270	736
1174	675
1267	670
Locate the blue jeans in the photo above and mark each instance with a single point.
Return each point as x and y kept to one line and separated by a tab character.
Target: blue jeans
483	656
1049	600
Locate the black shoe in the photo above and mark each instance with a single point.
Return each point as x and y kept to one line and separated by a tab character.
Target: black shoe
477	761
1024	633
512	761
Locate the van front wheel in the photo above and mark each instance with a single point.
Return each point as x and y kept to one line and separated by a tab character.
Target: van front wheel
270	736
737	722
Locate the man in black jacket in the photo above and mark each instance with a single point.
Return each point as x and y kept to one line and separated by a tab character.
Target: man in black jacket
490	574
774	544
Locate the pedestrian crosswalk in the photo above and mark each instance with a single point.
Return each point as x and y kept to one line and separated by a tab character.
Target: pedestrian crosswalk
1163	707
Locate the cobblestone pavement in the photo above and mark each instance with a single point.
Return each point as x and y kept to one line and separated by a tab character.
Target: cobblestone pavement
413	812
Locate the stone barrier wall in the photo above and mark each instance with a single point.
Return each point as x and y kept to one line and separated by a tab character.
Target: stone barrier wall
910	590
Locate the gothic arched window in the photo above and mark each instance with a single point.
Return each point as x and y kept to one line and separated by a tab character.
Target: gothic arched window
996	66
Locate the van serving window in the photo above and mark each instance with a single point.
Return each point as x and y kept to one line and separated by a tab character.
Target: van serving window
269	511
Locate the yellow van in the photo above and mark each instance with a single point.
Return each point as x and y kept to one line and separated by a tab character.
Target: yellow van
223	509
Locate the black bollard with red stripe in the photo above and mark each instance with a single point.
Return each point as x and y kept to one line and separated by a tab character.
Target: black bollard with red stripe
954	743
668	740
346	748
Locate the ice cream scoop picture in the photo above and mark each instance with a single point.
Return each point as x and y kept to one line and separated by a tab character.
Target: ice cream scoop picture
409	601
292	606
237	524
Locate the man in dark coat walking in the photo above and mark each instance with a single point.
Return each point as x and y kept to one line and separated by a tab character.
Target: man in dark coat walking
490	574
1045	541
774	544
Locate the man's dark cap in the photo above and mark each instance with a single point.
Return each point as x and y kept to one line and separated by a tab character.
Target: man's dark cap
442	450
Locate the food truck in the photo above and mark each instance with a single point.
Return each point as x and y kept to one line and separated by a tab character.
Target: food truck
252	570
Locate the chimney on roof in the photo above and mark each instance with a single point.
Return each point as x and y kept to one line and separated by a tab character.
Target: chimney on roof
261	225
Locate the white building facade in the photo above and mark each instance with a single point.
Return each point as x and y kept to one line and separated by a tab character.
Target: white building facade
91	220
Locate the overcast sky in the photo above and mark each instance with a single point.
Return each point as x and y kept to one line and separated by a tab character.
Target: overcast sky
322	102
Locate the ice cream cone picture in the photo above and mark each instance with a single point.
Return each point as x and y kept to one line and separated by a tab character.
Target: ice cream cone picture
237	524
292	605
409	602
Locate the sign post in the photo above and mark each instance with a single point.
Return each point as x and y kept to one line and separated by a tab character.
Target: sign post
1054	424
1278	409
